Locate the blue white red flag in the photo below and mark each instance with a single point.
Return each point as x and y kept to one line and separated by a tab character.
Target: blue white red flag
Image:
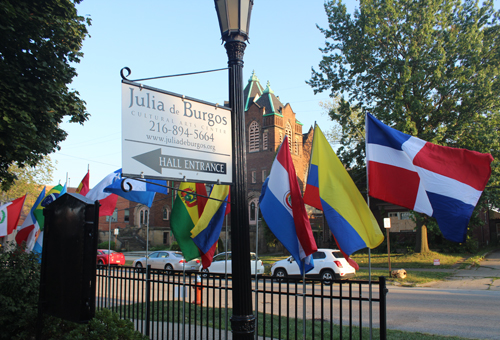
284	211
142	191
439	181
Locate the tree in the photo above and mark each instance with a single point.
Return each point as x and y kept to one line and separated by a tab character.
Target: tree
429	68
30	180
38	43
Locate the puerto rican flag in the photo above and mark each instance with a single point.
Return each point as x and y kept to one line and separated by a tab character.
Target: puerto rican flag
284	211
439	181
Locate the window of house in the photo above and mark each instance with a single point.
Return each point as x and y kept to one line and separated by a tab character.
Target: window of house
254	139
145	217
404	215
264	175
296	146
166	235
392	214
126	215
254	176
142	217
252	211
114	217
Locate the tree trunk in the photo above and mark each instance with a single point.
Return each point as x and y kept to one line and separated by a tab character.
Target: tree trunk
422	242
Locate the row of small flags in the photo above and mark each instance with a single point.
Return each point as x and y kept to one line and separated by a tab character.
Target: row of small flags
442	182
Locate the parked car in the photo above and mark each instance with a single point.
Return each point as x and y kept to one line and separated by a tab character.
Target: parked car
169	260
329	264
113	257
218	265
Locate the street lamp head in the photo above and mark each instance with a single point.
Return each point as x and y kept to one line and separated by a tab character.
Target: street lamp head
234	18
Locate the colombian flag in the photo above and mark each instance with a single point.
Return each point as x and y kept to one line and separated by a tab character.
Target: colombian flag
331	189
207	230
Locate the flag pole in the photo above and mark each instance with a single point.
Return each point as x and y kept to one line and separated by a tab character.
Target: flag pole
256	259
225	286
303	299
109	265
369	250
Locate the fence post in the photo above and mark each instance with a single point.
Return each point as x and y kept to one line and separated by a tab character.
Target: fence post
148	297
383	308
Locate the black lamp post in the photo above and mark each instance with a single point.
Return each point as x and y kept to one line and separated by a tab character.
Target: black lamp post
234	21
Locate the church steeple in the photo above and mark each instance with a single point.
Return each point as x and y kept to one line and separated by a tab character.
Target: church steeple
252	91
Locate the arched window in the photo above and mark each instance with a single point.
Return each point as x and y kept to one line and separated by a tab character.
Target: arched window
142	217
254	137
296	146
145	217
288	132
166	213
253	210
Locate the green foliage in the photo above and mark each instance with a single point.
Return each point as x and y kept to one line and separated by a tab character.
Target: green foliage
106	325
429	68
30	181
175	246
38	43
19	288
107	245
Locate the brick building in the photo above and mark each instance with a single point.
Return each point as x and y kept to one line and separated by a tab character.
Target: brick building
268	120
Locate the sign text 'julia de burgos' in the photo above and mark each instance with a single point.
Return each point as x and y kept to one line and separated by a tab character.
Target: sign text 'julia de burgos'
169	136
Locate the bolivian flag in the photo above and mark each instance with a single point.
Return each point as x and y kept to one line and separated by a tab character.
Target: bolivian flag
188	207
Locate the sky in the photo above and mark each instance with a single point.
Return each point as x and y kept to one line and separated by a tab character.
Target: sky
158	38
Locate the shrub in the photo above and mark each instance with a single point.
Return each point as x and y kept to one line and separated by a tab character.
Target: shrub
19	287
106	325
175	246
105	245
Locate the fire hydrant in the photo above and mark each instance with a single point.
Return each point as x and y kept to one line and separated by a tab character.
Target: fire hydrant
199	289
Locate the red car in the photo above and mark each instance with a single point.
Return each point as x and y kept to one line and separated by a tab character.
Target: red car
114	257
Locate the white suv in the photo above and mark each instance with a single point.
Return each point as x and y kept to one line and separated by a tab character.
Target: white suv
329	264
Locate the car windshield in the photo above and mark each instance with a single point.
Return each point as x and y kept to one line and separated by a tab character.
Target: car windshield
105	251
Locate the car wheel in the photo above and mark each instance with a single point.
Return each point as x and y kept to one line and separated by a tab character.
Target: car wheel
168	267
328	276
101	262
204	272
280	274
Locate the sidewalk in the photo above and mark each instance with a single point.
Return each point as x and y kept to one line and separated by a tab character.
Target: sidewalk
486	276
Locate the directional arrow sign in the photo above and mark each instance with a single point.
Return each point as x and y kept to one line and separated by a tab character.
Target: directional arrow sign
156	161
174	137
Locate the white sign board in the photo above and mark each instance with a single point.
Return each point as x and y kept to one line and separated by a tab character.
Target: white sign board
387	223
168	136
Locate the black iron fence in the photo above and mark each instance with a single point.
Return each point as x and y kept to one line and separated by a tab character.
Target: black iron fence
176	305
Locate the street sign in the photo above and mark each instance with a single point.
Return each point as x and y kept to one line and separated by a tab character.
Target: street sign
387	223
169	136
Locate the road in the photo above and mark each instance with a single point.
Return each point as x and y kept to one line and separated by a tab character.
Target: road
473	314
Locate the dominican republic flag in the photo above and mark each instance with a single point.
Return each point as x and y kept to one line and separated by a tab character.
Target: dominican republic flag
284	211
141	191
9	215
439	181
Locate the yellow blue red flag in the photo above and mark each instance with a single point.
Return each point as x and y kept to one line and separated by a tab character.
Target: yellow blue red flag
207	230
331	189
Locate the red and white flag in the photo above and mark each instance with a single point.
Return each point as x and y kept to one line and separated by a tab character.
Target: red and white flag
106	199
9	215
